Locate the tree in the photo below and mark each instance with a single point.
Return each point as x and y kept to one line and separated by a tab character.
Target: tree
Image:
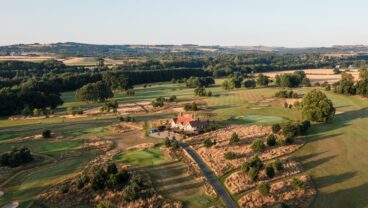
345	85
271	140
46	133
317	107
264	188
112	169
175	144
167	142
234	139
253	174
258	145
262	80
249	83
94	92
276	128
278	165
99	179
270	172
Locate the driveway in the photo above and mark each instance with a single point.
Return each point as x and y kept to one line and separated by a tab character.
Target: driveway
211	178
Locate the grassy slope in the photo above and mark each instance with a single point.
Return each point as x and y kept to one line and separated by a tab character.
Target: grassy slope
30	183
336	155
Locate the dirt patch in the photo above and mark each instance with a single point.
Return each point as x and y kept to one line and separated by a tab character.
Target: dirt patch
282	192
238	182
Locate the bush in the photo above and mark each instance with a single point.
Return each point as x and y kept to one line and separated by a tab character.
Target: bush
253	174
82	181
175	144
112	169
46	133
297	183
276	128
289	138
167	142
230	155
207	142
64	188
99	179
264	188
278	165
270	172
271	140
258	145
16	157
256	162
234	139
245	168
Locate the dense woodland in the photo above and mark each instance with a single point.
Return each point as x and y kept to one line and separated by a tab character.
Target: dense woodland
26	86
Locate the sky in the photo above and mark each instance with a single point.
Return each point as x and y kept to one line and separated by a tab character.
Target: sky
289	23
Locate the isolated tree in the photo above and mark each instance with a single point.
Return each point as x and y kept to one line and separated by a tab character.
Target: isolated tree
234	139
317	107
270	172
276	128
46	133
278	165
271	140
264	188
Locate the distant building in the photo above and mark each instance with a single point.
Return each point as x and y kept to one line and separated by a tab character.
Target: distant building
188	123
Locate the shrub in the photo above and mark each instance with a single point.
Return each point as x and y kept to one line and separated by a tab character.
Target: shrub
276	128
270	172
264	188
230	155
234	139
99	179
175	144
167	142
289	138
256	162
82	181
64	188
46	133
290	128
207	142
130	192
250	83
278	165
297	183
245	168
271	140
122	177
258	145
253	174
16	157
112	169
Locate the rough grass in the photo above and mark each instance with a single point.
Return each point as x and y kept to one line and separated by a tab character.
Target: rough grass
30	183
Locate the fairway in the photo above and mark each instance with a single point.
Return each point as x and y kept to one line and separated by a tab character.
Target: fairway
260	119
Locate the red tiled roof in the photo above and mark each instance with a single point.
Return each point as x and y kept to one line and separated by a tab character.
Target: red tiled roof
184	120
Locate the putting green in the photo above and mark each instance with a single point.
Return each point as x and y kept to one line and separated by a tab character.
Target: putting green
146	157
259	119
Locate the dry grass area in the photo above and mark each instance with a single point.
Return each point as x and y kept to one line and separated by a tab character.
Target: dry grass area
318	75
26	58
214	156
238	182
282	192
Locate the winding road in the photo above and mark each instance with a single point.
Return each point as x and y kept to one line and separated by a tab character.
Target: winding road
211	177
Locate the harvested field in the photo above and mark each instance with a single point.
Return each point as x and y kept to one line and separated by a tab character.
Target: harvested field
214	156
318	75
282	192
238	182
